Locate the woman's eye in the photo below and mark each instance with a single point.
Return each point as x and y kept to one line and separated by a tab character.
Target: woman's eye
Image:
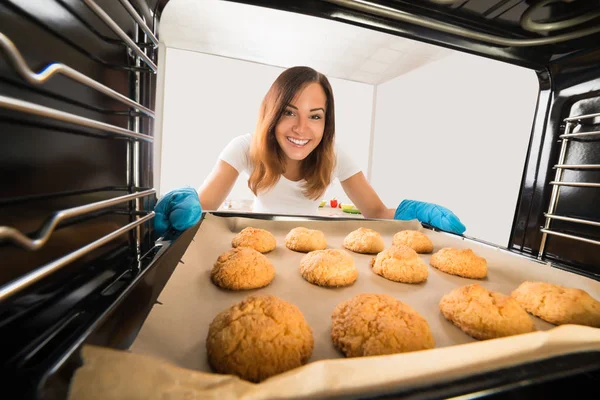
288	113
315	117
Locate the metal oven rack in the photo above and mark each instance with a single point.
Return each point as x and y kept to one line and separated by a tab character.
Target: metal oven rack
571	124
77	194
133	135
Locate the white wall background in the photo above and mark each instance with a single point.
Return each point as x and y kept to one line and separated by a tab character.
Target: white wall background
455	132
209	100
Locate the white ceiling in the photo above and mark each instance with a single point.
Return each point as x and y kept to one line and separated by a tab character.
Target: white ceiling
286	39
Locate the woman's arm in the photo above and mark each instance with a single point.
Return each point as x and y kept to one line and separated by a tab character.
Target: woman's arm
370	205
363	196
217	186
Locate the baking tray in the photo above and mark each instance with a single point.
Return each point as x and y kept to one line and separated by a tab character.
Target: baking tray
176	328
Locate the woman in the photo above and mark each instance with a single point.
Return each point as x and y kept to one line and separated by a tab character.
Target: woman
292	159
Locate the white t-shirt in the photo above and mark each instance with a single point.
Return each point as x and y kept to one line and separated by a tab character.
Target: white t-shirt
285	197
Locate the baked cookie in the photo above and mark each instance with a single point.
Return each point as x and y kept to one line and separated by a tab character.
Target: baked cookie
258	239
401	264
304	240
329	268
375	324
484	314
364	240
460	262
416	240
259	337
558	304
242	268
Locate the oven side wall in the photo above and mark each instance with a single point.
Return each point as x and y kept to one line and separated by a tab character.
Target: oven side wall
570	87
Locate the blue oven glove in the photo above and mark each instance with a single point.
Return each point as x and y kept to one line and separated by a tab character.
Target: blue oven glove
431	214
179	209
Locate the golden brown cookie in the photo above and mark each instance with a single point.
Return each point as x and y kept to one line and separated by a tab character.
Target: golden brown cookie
375	324
242	268
258	239
416	240
259	337
401	264
329	268
304	240
484	314
364	240
558	304
460	262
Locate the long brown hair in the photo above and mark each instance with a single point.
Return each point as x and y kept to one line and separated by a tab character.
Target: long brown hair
267	157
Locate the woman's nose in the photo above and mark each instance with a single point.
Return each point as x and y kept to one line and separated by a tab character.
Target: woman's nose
300	126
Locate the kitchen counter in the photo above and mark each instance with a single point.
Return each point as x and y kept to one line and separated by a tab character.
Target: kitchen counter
246	206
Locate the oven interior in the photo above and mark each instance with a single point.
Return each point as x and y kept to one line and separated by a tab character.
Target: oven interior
78	84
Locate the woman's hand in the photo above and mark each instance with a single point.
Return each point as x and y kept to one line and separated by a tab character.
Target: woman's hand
429	213
179	209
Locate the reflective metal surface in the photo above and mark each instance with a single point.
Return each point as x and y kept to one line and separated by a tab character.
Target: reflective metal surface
45	270
377	9
16	59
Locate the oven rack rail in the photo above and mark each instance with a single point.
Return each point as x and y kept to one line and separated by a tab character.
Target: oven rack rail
139	215
18	63
39	273
119	32
11	234
17	8
28	75
557	183
61	116
527	23
32	244
140	21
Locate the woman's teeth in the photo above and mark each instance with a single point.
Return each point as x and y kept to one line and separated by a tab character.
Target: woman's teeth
297	142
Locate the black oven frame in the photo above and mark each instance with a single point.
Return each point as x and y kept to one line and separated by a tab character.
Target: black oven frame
104	297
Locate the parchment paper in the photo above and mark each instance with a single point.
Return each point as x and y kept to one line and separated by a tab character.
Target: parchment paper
176	329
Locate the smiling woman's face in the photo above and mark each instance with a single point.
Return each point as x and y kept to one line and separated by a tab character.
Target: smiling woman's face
300	128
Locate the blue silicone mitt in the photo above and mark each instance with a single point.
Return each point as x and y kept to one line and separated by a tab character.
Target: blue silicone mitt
431	214
179	209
